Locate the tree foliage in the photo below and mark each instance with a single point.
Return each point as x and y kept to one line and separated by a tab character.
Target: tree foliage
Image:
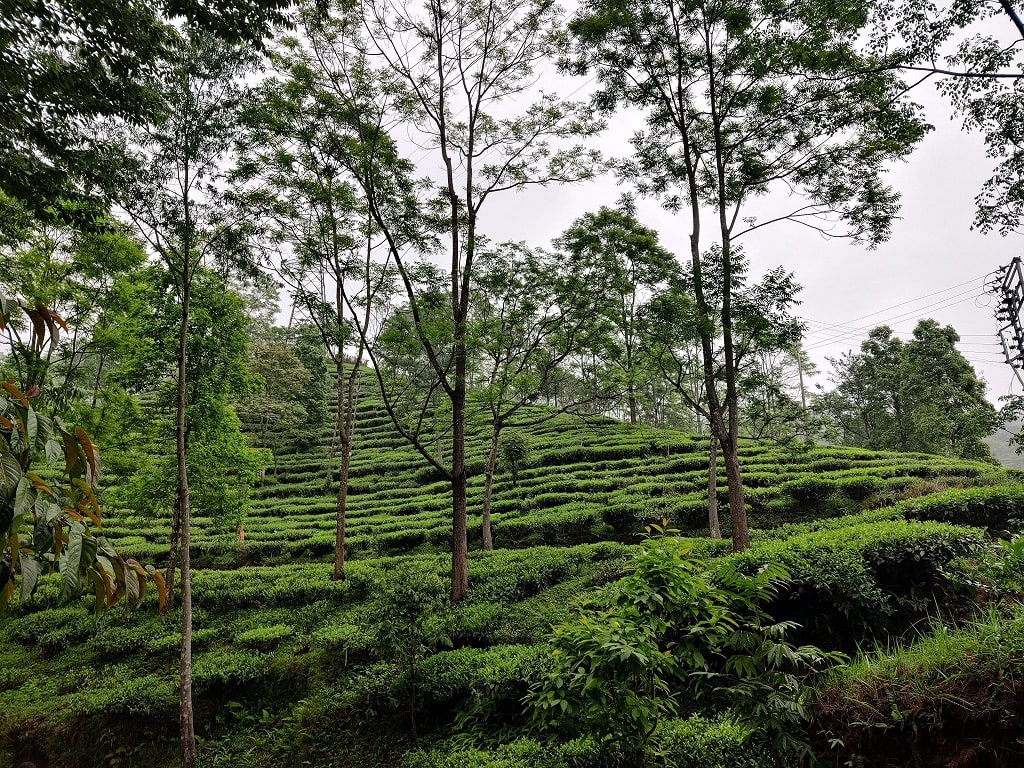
973	50
461	77
629	264
217	375
672	631
67	65
535	319
918	395
743	97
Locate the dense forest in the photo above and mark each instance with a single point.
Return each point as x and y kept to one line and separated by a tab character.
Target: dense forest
299	464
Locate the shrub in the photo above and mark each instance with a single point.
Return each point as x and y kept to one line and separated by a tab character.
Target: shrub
810	491
851	583
343	637
114	641
859	488
55	629
998	510
657	637
699	742
264	638
125	692
172	642
227	668
483	685
520	753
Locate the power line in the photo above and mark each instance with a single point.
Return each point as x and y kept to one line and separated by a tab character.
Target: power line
845	336
849	327
910	301
829	333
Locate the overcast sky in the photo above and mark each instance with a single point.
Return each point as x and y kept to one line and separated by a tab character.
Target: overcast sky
933	265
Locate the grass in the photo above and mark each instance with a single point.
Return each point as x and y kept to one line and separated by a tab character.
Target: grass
953	697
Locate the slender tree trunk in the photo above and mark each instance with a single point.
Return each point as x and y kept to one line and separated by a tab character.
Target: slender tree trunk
185	714
713	525
342	422
172	556
730	439
737	504
460	554
96	382
339	547
492	460
730	445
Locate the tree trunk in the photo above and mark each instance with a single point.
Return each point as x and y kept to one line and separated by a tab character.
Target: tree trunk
713	526
492	460
800	373
172	557
339	537
342	422
737	504
185	714
460	554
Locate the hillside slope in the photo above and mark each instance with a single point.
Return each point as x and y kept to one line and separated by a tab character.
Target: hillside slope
290	665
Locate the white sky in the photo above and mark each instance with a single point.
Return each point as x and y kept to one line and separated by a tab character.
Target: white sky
933	265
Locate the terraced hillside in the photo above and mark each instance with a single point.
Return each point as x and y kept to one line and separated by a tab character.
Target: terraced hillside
587	481
292	666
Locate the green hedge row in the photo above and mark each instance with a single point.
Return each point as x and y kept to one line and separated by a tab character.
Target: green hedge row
862	581
692	743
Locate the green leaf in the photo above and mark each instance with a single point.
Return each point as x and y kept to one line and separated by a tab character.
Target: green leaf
99	589
74	460
89	551
53	450
132	593
43	433
31	428
31	567
10	471
24	499
7	514
70	563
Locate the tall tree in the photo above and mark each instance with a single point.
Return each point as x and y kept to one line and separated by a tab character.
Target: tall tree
743	97
168	187
66	64
634	266
455	73
774	404
218	374
763	324
972	50
303	148
532	312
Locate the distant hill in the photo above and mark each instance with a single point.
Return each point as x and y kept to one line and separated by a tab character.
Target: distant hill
1004	453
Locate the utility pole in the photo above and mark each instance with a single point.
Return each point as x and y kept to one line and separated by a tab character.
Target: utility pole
1008	286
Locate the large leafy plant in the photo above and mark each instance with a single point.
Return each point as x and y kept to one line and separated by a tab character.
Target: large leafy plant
49	515
649	647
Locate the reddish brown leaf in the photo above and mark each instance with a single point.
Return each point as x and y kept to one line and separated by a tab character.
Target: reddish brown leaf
14	392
